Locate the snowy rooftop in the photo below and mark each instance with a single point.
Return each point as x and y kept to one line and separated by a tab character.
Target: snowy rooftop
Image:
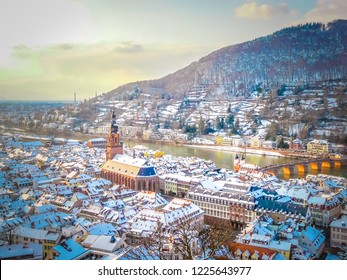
139	162
102	229
314	235
69	250
299	193
38	234
101	243
210	185
147	220
316	200
19	250
341	222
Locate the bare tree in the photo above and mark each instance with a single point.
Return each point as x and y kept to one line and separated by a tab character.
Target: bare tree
156	241
212	239
186	237
185	240
139	252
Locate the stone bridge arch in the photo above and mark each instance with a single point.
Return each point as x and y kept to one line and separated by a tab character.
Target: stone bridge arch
287	170
316	165
301	168
325	165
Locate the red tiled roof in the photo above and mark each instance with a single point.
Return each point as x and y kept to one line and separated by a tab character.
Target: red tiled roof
233	247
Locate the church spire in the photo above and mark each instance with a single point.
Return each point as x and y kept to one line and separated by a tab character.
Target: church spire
114	126
114	145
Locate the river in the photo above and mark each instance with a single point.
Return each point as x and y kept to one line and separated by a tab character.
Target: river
225	159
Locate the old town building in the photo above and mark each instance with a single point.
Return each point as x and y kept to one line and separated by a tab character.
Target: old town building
134	173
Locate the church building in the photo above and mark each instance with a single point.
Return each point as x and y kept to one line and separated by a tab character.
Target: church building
134	173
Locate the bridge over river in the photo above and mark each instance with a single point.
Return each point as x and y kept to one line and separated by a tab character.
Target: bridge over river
302	166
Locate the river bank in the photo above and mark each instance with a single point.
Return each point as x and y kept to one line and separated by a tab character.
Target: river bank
223	156
45	134
240	150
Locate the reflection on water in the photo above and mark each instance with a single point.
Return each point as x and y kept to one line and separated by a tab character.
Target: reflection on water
301	175
223	159
335	171
226	159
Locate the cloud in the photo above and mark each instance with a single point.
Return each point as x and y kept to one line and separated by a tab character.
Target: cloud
128	47
55	72
22	52
327	10
254	11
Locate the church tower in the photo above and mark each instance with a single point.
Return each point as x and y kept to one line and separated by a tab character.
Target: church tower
114	146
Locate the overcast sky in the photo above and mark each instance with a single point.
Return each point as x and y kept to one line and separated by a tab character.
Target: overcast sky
50	49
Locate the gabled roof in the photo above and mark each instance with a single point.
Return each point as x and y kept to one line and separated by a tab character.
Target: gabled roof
38	234
102	229
263	253
151	199
314	236
284	207
15	251
130	166
177	211
11	223
102	242
298	193
341	222
317	200
45	208
210	185
69	250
